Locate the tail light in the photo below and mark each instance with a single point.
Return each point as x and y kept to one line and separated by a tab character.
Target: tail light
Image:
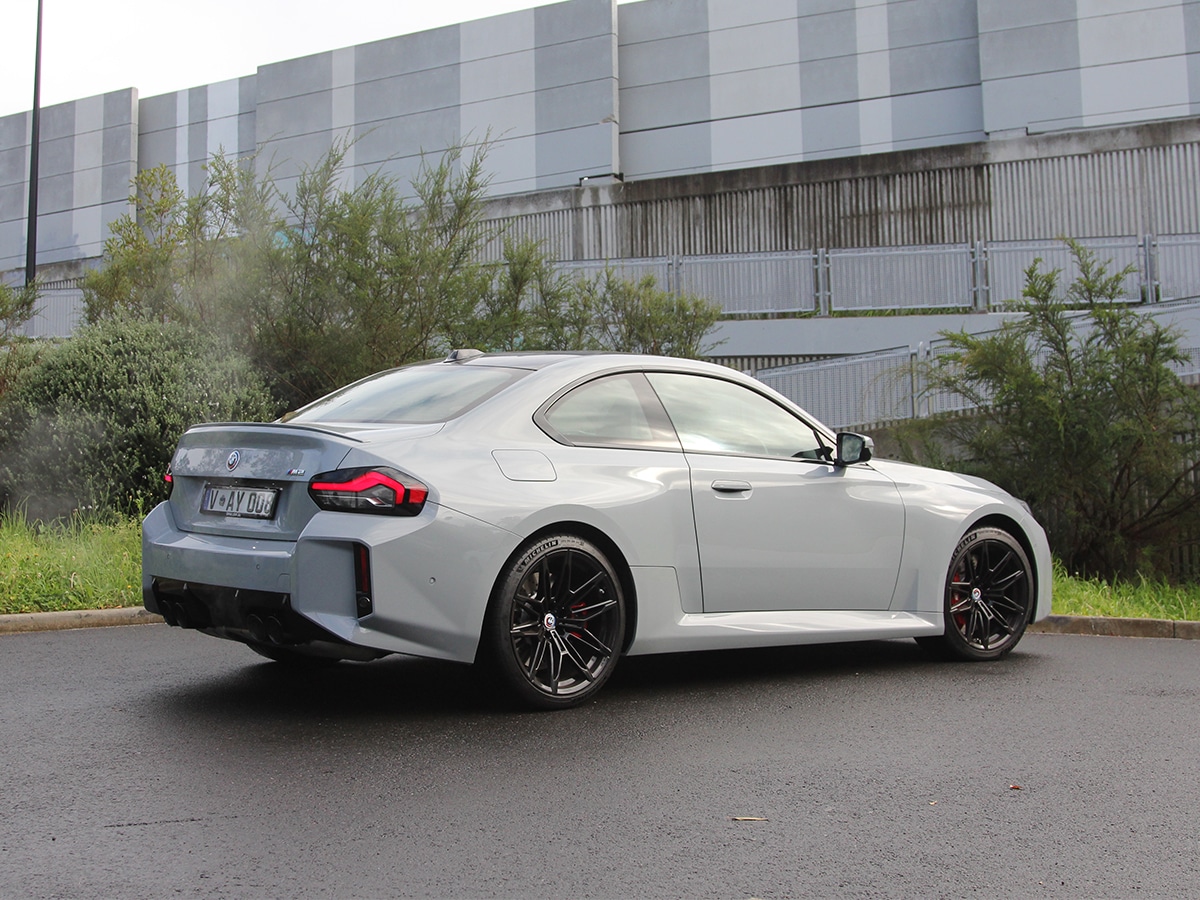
380	490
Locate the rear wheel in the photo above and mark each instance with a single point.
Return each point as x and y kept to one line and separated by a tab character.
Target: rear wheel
556	622
989	597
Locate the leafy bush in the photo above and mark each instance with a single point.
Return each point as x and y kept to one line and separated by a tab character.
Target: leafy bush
95	421
1082	415
335	280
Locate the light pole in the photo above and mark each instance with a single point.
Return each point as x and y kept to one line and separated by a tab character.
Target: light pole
34	140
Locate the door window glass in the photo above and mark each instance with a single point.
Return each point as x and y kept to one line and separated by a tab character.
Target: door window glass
715	416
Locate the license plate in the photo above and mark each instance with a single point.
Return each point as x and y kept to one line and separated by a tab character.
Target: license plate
239	502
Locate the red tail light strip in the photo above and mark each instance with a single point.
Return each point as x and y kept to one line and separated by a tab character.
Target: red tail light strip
382	490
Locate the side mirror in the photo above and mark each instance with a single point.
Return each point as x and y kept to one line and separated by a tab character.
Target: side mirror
852	448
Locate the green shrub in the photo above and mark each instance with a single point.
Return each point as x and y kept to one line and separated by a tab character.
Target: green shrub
1081	415
92	425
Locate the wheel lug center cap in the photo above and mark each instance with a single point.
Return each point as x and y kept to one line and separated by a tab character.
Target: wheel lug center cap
549	622
976	594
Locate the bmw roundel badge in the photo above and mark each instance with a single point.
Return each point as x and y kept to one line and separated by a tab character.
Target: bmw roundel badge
234	458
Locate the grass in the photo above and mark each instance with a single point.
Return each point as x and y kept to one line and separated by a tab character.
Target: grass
89	565
1144	599
80	565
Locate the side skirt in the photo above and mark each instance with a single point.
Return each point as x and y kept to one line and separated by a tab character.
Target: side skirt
667	631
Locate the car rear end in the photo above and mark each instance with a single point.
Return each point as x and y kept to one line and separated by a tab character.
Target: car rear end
325	535
219	555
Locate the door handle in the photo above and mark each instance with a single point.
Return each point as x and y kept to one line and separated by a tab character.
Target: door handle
731	487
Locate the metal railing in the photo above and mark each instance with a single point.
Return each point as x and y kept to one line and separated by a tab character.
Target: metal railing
752	283
59	312
900	278
871	390
986	275
1004	264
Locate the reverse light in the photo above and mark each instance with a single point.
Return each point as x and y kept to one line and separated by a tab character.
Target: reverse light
380	490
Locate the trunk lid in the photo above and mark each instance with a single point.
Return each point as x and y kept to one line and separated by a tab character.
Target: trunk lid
251	480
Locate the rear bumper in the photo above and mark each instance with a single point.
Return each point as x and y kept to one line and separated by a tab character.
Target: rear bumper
431	578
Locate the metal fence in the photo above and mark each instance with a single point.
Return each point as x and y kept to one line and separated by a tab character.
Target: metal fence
1004	265
870	390
629	269
948	276
1176	265
752	283
898	278
59	311
851	390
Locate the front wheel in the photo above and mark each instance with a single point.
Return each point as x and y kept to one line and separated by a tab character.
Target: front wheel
989	597
556	622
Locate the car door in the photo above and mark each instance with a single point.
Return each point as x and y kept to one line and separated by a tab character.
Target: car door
778	526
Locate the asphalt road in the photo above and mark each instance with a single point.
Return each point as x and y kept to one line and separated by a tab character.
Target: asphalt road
147	762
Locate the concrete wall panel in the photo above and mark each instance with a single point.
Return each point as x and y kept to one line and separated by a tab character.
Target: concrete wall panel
683	150
295	77
496	36
482	80
828	35
934	67
1031	50
14	203
1035	103
658	87
753	46
996	15
670	59
407	53
828	81
953	116
722	15
735	95
14	164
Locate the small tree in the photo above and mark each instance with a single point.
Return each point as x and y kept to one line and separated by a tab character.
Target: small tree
530	306
17	306
330	283
1082	415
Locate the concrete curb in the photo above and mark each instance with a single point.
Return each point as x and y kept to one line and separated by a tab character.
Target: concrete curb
76	618
1159	628
136	615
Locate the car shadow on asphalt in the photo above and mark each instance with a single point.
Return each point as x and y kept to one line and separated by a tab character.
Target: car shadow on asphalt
419	689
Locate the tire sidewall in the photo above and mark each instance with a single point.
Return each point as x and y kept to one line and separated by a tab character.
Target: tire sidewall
954	641
497	650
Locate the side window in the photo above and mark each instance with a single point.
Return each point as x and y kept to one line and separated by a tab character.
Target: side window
615	411
715	416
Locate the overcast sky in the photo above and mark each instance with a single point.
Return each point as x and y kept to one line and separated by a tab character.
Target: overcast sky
95	46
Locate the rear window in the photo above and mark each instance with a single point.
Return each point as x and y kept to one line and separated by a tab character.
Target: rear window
416	395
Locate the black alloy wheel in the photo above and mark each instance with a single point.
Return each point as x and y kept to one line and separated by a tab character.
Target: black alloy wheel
556	622
989	597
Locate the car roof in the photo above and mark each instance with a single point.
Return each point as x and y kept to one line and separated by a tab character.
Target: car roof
583	361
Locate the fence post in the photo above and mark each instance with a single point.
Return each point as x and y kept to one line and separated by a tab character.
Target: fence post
982	288
1150	287
913	356
824	301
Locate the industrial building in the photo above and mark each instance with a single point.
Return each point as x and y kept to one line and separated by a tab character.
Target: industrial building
796	160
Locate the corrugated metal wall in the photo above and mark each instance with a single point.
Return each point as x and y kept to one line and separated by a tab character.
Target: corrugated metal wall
1105	183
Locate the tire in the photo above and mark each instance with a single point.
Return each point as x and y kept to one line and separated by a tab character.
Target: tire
555	623
989	597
